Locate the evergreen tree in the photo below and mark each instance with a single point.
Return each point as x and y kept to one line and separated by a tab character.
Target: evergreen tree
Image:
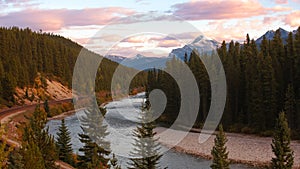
219	152
32	157
92	154
16	160
63	144
146	152
284	156
93	127
46	107
4	153
114	162
96	149
37	139
290	106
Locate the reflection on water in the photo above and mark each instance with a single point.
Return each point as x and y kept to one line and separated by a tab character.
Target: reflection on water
121	119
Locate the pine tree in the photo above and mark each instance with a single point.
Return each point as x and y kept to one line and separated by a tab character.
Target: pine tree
146	152
114	162
37	139
91	157
46	107
3	150
284	156
290	106
219	152
96	149
32	157
92	124
63	144
15	160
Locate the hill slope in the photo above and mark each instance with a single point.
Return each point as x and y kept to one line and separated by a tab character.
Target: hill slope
25	53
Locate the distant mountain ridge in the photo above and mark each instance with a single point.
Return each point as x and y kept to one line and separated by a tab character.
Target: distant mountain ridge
140	62
201	44
271	33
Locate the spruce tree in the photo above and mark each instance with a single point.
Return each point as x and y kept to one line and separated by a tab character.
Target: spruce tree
146	153
114	162
92	156
290	106
36	138
3	150
219	152
284	156
96	148
15	160
46	107
32	157
63	144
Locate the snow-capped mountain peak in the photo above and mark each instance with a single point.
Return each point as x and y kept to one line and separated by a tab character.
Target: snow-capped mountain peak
201	44
138	56
115	58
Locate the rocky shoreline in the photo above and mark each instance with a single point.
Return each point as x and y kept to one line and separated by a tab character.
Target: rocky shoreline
244	149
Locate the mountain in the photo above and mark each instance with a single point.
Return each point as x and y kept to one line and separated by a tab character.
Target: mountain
271	33
115	58
141	62
201	44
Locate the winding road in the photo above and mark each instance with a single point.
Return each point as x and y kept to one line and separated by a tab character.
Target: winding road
6	114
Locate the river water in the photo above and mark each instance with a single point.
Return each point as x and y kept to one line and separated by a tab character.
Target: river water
121	119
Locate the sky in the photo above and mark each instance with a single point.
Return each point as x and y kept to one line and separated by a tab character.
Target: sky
101	25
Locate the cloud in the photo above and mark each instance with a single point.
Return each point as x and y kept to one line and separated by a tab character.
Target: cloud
18	4
169	43
281	1
280	9
293	19
55	19
220	9
222	30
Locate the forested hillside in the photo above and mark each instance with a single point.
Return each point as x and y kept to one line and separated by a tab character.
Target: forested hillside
261	81
25	53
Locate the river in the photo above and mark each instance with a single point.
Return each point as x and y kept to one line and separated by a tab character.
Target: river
121	120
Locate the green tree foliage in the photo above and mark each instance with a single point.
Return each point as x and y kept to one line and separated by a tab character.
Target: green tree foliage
290	106
146	153
114	162
4	152
284	156
15	160
47	108
96	148
24	54
92	154
257	76
36	141
63	144
32	157
219	152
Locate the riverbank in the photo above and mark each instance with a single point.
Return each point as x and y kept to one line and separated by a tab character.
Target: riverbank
243	149
246	149
70	113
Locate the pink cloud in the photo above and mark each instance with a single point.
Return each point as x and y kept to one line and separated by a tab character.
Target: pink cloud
57	18
220	9
23	4
280	9
281	1
169	43
293	19
220	30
